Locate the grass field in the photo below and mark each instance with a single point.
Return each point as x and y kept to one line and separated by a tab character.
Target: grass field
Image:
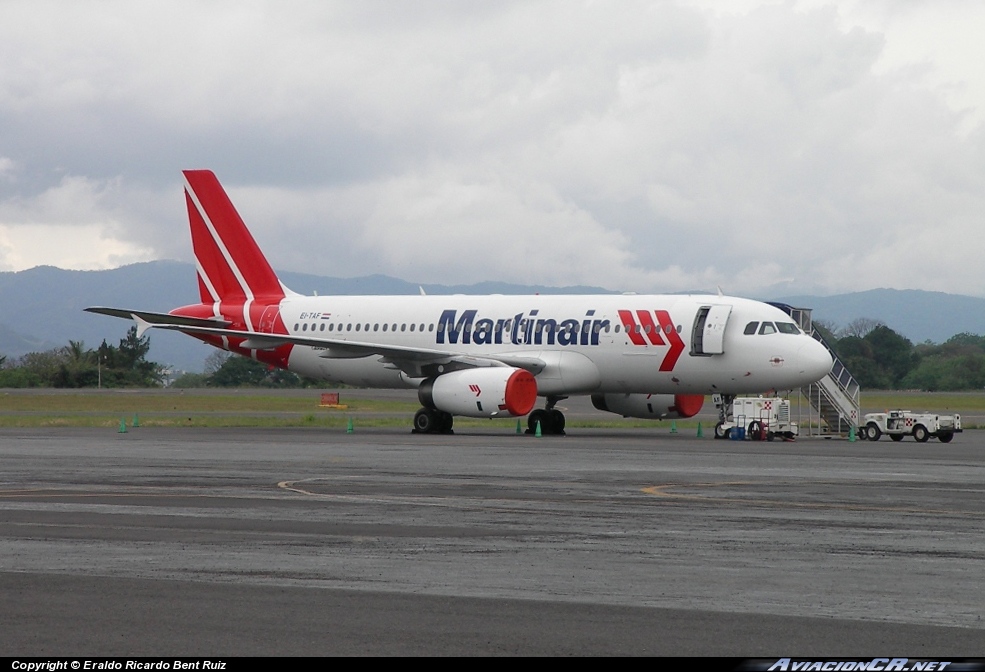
938	402
188	408
187	401
261	408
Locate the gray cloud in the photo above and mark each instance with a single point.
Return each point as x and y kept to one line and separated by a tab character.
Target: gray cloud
637	145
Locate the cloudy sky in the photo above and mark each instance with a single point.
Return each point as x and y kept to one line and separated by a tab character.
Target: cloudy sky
765	147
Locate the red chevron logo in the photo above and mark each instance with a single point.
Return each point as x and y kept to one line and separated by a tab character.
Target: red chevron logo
676	344
647	330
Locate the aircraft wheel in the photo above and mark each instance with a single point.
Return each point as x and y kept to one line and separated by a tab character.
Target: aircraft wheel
425	421
921	434
555	420
445	422
721	432
945	437
536	415
872	431
896	437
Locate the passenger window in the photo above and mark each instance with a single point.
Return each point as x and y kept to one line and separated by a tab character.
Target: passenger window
751	328
385	326
412	327
357	327
430	327
304	327
296	326
767	328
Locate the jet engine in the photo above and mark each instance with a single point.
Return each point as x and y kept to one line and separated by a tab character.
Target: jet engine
488	392
650	406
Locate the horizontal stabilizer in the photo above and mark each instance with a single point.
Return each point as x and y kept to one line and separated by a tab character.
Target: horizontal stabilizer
158	319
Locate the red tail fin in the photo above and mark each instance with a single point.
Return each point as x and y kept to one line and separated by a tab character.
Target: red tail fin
231	267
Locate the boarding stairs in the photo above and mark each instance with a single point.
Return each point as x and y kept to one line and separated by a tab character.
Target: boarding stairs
835	398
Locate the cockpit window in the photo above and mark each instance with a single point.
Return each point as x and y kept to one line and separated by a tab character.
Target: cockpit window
751	328
767	328
787	328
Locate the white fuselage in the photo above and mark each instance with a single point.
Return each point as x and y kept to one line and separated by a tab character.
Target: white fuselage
586	343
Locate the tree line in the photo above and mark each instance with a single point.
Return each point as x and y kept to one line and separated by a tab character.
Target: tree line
73	365
877	356
882	359
126	365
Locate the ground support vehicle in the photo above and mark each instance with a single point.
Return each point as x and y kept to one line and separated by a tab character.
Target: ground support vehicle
921	426
754	418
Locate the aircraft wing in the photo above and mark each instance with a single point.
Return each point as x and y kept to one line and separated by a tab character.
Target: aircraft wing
409	359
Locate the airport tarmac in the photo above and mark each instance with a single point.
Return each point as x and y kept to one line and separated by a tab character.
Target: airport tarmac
226	542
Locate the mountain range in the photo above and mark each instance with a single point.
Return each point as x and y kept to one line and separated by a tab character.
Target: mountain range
42	307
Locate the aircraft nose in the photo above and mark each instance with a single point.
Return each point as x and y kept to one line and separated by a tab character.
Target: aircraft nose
814	359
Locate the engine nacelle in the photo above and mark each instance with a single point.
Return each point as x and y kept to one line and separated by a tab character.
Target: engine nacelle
650	406
488	392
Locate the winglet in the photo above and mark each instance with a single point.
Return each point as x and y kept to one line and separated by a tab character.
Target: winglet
142	324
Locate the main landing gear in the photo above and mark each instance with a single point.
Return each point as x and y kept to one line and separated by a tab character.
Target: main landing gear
551	419
433	421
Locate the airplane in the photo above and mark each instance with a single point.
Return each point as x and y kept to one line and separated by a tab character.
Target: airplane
649	356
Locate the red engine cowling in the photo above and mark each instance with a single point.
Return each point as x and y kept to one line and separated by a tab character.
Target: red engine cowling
650	406
481	393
